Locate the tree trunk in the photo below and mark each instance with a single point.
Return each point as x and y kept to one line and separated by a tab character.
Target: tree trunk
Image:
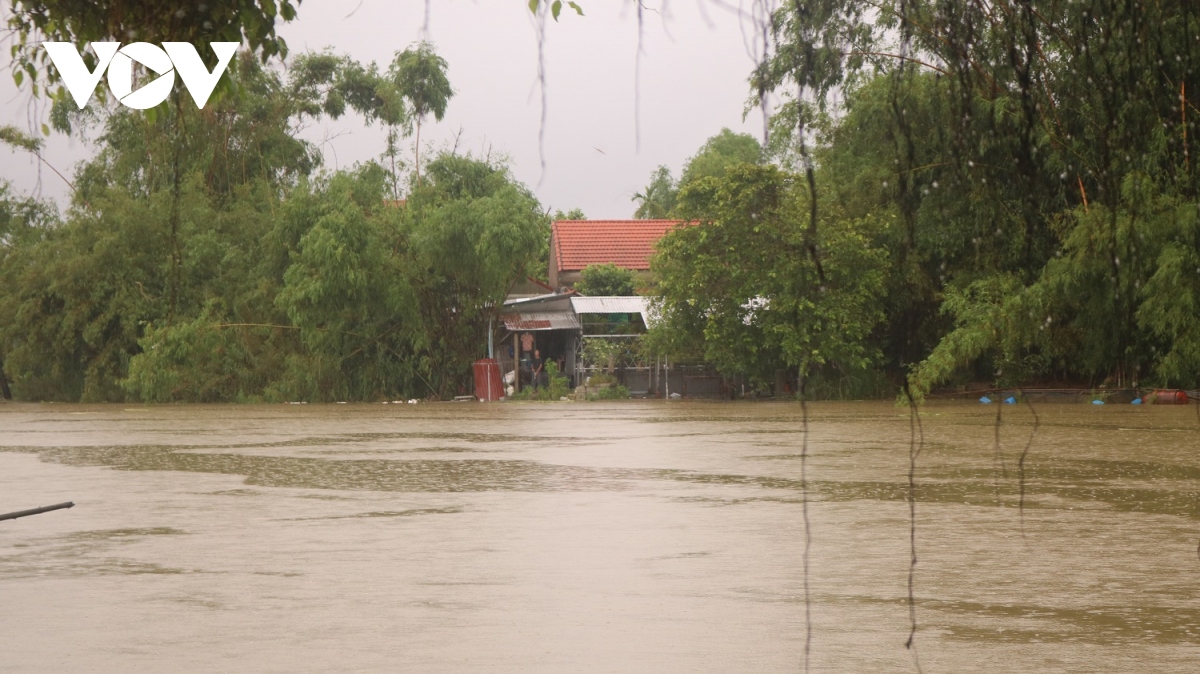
417	151
176	273
4	390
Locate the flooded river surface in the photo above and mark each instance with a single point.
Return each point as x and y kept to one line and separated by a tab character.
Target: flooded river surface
623	537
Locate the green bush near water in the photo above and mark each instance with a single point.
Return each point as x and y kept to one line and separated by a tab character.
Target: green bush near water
617	392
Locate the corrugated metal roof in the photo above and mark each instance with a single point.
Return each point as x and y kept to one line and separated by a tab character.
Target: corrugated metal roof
548	302
540	320
609	305
631	304
625	243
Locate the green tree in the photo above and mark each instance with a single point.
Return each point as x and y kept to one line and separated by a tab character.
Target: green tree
994	185
606	280
473	233
365	299
23	223
1067	321
419	75
348	290
717	155
84	292
573	214
324	83
738	289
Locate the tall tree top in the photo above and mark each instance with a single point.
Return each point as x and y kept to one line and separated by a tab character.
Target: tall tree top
420	76
720	152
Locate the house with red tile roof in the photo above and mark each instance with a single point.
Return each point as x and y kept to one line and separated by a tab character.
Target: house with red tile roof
575	244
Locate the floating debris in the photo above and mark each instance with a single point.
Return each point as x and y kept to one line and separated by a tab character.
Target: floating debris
36	511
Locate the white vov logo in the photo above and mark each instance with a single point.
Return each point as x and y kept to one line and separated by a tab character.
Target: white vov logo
179	57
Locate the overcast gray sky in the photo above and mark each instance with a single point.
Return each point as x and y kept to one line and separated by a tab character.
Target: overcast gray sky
695	61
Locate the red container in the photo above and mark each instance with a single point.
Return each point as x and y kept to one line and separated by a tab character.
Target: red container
1170	397
488	383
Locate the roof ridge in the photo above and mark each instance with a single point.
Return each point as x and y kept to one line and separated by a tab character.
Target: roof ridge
633	221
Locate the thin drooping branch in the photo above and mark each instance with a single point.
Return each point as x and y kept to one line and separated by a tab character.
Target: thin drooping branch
18	140
804	513
58	173
637	80
916	442
540	22
175	215
1021	460
998	454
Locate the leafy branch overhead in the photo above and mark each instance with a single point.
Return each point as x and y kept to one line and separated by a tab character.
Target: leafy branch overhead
250	22
15	138
555	7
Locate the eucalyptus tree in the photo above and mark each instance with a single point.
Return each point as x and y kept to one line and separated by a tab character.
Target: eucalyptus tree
328	84
419	75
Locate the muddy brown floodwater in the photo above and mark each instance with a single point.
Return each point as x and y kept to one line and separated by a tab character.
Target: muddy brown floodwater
624	537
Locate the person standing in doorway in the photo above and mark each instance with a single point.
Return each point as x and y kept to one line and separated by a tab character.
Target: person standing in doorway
526	367
538	366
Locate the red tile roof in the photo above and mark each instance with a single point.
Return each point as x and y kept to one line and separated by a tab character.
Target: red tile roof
625	243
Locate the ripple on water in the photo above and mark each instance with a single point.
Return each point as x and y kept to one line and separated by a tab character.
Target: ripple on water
409	475
84	553
383	513
1025	623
